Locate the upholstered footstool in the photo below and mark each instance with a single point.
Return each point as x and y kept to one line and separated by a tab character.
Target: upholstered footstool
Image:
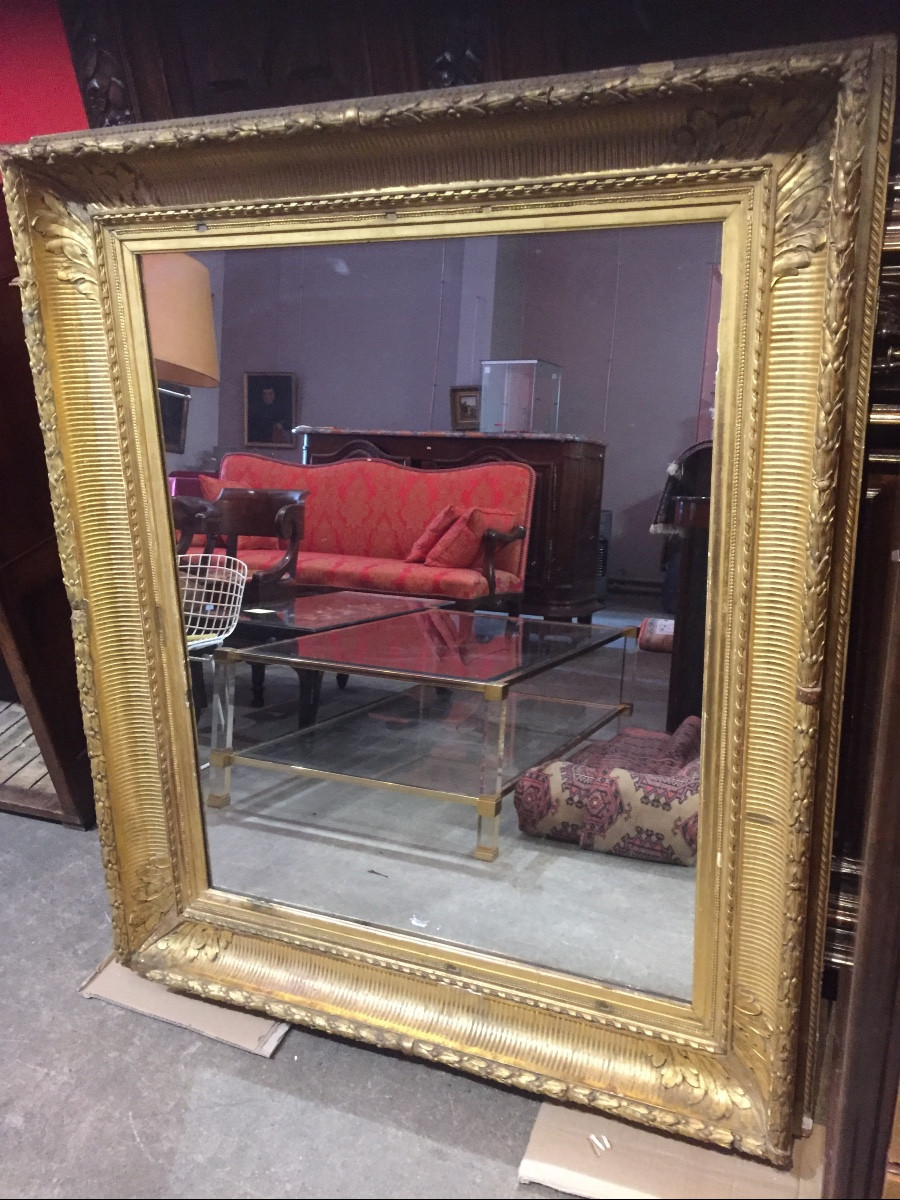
636	795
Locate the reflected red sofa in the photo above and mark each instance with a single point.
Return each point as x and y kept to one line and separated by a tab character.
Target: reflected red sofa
372	525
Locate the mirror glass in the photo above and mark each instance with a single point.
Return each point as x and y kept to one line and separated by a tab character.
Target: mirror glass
606	336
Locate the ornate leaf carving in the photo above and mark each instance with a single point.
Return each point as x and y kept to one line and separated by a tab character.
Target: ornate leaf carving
67	237
846	168
700	1079
705	1126
754	1030
803	192
152	895
193	942
763	106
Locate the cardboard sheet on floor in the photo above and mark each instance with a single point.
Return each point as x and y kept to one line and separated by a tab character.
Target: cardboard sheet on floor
585	1154
115	983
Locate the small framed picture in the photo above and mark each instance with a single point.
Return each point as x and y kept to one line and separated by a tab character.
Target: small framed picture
173	408
270	408
465	407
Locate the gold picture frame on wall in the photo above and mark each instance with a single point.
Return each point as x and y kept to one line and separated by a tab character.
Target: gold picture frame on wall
788	151
465	407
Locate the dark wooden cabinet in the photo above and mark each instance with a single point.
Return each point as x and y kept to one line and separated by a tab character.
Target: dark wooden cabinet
691	516
863	940
866	1046
36	644
561	577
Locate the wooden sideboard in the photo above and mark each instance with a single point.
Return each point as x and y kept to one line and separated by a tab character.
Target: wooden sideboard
561	576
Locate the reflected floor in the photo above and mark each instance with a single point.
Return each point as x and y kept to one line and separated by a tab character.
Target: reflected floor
405	862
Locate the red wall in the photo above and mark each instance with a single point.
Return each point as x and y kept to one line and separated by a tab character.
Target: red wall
38	91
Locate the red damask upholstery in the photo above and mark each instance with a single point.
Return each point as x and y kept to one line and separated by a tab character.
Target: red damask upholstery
357	573
364	517
636	795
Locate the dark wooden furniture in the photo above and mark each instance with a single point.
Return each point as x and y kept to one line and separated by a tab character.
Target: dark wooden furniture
187	483
691	517
245	512
36	642
248	512
868	1020
158	59
561	576
863	946
258	512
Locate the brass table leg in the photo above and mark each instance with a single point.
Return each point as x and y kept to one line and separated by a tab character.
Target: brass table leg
487	842
221	750
488	836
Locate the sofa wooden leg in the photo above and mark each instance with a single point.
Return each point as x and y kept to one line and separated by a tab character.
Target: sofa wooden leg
258	684
308	700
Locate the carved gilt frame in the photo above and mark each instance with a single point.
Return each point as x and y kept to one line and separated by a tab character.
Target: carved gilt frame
789	151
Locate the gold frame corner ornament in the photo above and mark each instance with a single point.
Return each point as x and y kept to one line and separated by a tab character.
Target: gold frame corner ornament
789	152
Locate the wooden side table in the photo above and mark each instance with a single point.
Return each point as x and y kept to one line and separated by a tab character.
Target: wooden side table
245	512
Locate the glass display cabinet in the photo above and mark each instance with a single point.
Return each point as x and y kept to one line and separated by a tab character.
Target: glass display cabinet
520	395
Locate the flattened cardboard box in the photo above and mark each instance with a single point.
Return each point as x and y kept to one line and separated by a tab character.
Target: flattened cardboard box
585	1154
115	983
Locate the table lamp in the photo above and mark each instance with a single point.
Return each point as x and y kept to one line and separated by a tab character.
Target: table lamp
180	319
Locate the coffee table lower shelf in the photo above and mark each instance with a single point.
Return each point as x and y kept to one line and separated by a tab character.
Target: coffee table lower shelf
509	738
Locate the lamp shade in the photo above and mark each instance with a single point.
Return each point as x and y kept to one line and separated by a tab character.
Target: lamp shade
180	319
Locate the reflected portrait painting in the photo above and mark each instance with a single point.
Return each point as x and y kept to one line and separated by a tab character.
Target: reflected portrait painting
270	408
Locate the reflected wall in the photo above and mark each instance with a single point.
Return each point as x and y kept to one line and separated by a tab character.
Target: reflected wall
377	334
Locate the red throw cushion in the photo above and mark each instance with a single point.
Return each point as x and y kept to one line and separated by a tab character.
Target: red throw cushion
210	487
432	533
458	547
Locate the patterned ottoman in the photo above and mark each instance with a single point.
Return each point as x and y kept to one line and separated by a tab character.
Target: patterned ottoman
636	795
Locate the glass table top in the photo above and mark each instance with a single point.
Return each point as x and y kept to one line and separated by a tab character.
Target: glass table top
465	648
329	610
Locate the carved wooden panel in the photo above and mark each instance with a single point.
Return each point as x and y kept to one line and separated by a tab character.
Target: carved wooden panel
165	58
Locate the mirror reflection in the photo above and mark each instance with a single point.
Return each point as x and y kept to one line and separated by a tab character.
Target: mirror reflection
441	510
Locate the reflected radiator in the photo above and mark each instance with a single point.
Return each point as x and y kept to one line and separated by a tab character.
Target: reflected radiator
603	552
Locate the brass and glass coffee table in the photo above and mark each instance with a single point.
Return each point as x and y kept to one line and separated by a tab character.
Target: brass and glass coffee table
464	704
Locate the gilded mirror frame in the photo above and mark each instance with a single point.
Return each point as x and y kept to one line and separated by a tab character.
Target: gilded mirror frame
789	151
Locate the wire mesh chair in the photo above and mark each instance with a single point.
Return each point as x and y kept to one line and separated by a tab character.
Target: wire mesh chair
212	590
